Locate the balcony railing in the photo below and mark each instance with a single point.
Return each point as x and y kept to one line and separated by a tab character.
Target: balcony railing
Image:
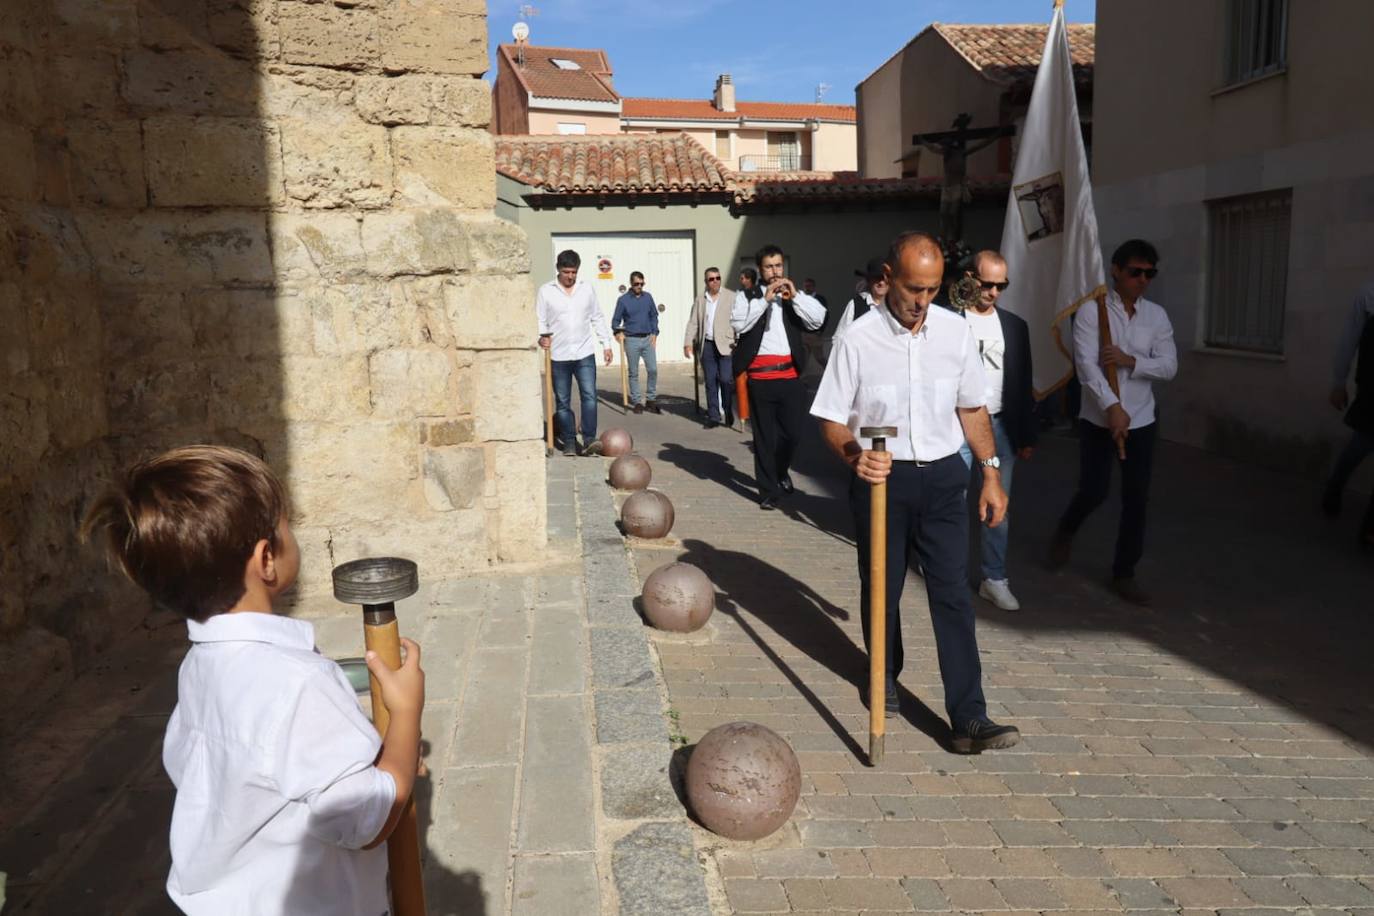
791	162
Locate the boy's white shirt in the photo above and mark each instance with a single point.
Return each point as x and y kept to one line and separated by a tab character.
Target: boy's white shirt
273	762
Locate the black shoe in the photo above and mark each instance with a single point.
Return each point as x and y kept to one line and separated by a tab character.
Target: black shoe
984	735
570	451
652	407
768	503
712	424
1060	550
1129	590
785	485
639	408
729	419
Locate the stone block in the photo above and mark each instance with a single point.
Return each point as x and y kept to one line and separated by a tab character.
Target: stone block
461	101
327	35
305	93
442	544
14	344
439	433
394	99
336	163
356	318
522	523
453	477
75	23
249	322
189	82
555	886
497	247
656	871
107	163
173	24
492	312
19	95
199	249
146	397
43	245
63	325
245	28
85	85
24	428
507	399
469	841
19	177
445	166
413	383
636	784
630	715
440	36
416	242
318	244
341	473
205	162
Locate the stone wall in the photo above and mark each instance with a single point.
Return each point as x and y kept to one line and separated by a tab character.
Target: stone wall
266	223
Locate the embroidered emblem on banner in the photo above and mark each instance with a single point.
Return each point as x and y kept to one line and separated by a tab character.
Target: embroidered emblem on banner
1041	204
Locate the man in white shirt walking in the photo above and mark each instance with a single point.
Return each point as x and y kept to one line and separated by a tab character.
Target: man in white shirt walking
1004	348
709	335
1112	428
769	321
571	324
908	365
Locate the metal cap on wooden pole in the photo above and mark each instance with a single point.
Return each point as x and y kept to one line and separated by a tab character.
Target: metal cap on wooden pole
377	583
877	601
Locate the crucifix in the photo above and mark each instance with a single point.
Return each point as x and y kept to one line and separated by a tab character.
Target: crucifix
954	147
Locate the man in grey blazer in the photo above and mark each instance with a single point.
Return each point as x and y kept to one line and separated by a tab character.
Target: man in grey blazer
709	334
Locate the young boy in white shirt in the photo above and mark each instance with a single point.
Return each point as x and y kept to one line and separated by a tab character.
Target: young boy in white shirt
285	794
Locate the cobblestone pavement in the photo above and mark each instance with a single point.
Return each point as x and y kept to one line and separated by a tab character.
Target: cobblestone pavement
1212	754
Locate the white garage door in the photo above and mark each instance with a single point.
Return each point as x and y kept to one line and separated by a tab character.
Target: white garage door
665	259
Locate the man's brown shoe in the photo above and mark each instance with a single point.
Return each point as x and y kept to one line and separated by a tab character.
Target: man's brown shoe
984	735
1130	590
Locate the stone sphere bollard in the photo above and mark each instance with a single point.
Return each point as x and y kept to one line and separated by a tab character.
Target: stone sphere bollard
630	472
679	597
647	514
616	442
743	781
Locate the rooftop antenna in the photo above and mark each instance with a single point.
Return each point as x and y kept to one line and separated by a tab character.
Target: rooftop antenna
821	90
521	33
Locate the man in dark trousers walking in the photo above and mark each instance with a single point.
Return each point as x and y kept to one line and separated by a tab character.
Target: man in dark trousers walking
770	320
635	322
710	337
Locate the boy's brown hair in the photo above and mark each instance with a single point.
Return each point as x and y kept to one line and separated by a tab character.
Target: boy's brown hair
183	525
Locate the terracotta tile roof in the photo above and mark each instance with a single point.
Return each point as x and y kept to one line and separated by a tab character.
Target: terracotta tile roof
1010	53
611	164
591	82
705	110
834	187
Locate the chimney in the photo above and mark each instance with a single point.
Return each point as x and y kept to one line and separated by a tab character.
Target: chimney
725	93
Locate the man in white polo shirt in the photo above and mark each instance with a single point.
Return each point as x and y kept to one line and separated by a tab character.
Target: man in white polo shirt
1121	429
571	323
907	365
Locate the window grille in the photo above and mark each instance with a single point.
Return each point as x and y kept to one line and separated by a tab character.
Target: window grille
1256	38
1248	271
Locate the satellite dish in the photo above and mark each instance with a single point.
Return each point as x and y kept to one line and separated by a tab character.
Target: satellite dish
520	31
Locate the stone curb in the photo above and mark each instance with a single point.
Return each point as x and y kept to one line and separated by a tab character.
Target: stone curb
654	866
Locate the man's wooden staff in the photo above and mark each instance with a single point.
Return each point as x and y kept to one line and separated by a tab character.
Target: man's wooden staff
877	601
1104	339
696	378
377	584
624	377
548	397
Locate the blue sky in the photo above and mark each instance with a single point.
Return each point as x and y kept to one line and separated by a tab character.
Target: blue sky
675	48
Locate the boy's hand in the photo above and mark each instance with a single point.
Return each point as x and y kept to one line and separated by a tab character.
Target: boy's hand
403	690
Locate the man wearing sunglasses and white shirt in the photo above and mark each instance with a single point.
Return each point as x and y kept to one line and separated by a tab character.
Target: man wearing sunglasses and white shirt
1004	348
1120	429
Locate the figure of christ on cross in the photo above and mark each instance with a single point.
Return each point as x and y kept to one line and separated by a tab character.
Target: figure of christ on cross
954	148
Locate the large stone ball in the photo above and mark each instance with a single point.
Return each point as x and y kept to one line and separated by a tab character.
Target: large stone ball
630	472
616	442
679	597
743	781
647	514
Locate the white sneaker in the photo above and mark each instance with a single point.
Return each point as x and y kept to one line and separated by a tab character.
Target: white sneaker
998	591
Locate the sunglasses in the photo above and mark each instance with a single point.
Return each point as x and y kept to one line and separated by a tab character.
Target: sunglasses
1148	273
989	284
713	279
636	285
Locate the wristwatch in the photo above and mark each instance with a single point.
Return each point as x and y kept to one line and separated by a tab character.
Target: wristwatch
994	462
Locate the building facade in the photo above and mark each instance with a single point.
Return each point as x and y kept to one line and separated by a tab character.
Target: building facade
986	71
1247	160
566	91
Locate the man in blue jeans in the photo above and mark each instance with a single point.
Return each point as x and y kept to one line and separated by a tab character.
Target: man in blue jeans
1004	348
636	323
570	325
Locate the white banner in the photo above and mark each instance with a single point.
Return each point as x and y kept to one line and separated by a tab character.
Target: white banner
1054	259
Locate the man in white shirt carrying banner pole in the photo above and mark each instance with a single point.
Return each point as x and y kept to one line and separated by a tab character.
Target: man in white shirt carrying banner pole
1051	246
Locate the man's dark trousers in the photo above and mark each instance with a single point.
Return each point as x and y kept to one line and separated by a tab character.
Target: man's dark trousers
1096	455
777	418
720	384
926	510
